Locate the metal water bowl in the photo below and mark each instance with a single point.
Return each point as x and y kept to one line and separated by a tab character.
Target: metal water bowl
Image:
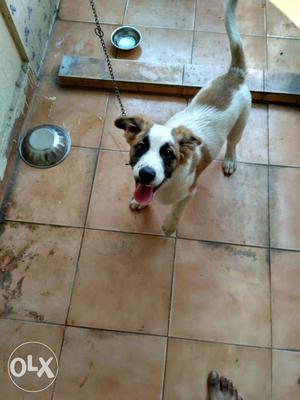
126	38
45	146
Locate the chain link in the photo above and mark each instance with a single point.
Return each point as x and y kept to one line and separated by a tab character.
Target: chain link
99	32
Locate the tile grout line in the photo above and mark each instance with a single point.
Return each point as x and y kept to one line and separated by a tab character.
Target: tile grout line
164	369
92	328
292	38
266	43
59	356
197	340
193	38
162	393
69	305
80	248
73	283
252	346
125	11
87	210
172	286
169	319
158	235
217	160
263	35
265	18
270	252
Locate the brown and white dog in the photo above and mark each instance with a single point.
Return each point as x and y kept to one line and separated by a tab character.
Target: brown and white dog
168	159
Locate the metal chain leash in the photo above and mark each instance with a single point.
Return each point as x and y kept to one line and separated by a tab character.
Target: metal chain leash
99	32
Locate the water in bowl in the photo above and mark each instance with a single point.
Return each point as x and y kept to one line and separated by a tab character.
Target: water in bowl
126	42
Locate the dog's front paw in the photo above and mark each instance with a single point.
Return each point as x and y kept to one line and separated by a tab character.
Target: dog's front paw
169	226
135	206
229	166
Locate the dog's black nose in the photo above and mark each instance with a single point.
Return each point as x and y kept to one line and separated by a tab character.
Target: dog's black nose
146	175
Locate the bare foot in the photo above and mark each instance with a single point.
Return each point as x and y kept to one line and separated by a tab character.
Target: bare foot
220	388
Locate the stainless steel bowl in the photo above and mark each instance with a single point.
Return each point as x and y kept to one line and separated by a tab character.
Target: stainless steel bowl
45	146
126	38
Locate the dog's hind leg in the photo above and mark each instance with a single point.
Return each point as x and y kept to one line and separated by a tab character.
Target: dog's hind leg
234	136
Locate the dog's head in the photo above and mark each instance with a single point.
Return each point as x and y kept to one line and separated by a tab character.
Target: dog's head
155	152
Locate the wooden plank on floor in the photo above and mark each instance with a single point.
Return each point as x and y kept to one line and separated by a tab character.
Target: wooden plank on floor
172	78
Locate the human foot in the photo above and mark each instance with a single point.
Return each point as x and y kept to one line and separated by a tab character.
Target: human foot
220	388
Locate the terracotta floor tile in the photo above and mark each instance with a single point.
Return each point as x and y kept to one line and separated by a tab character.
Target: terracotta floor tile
118	366
221	293
75	38
253	146
14	333
283	55
286	299
57	195
111	12
40	262
81	112
284	140
164	14
280	24
213	48
113	189
285	207
230	209
129	274
250	16
285	369
159	108
162	45
189	363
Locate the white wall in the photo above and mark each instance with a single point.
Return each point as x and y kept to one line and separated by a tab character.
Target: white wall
33	20
10	70
25	28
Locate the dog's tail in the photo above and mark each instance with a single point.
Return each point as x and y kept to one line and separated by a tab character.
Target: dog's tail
237	53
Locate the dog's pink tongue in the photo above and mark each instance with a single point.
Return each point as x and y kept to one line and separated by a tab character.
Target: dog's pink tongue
143	194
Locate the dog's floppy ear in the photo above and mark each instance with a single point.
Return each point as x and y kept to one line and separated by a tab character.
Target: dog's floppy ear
186	140
132	125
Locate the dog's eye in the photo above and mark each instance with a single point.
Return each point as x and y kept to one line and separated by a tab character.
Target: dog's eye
167	152
140	147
